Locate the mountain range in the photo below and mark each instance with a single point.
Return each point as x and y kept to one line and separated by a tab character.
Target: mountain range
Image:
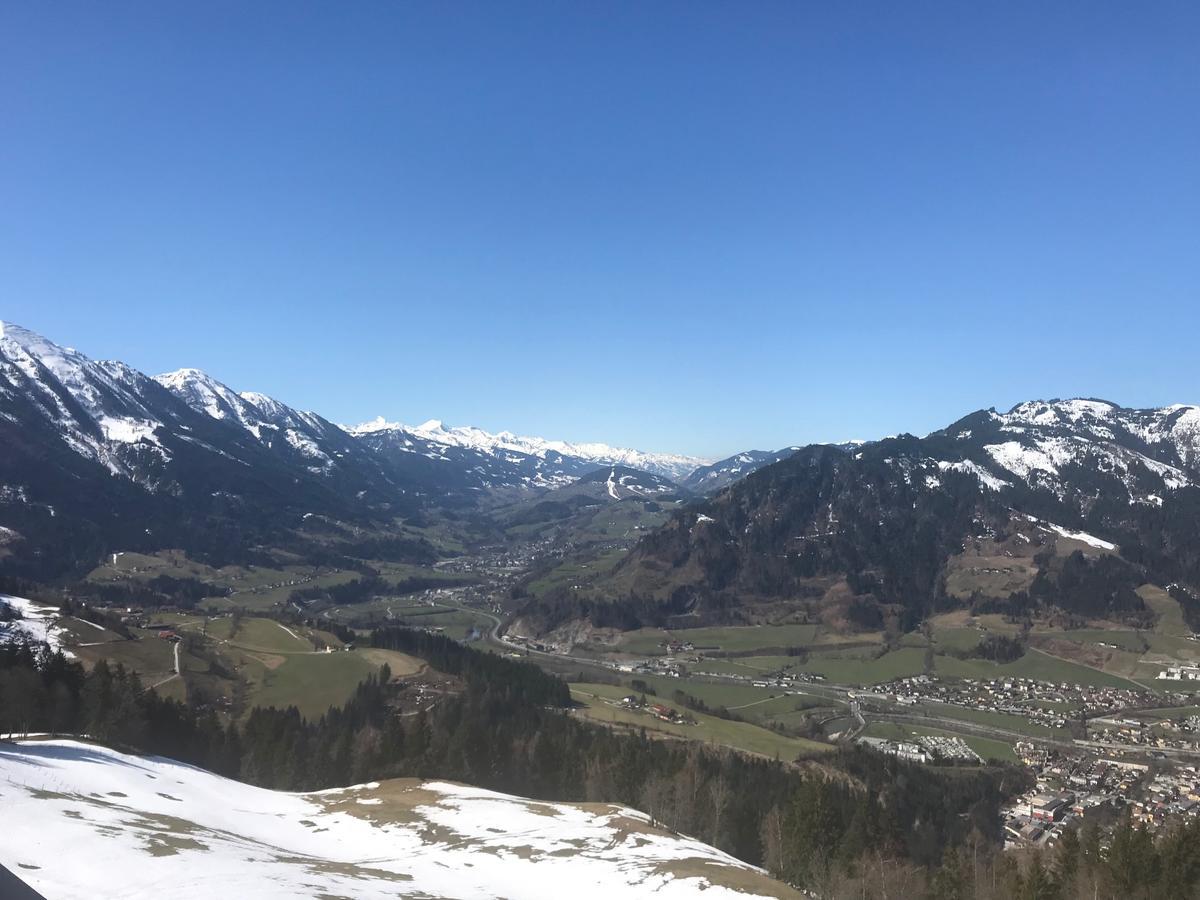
101	456
1077	505
1083	501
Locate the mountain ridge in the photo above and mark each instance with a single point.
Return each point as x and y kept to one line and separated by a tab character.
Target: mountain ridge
859	535
103	457
670	465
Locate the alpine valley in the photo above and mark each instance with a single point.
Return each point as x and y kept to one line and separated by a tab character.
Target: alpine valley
387	660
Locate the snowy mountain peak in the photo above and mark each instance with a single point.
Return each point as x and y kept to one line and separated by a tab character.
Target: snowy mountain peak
1059	412
379	423
1147	453
668	465
32	342
103	411
27	349
203	393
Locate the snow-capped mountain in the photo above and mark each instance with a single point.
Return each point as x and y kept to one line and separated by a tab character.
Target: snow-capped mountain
1139	455
668	465
104	411
100	456
303	437
478	466
987	512
711	478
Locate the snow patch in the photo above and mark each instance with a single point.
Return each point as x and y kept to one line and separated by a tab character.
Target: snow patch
1083	536
986	478
37	623
111	814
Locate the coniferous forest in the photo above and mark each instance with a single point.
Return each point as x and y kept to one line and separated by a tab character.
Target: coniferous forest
856	820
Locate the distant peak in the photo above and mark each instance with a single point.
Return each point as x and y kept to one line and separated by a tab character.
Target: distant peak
185	376
379	423
31	341
431	425
16	332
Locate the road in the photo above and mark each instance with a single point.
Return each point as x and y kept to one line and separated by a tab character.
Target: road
839	694
174	674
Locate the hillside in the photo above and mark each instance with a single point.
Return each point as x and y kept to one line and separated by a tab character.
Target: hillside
149	827
102	458
711	478
1065	504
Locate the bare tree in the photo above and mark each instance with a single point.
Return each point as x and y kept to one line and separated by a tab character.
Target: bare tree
718	792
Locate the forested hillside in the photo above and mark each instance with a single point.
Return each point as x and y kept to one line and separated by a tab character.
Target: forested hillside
506	731
1094	499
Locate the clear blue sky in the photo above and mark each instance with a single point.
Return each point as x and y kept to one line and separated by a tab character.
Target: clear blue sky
696	227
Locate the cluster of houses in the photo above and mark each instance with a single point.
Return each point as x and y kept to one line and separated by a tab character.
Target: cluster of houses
671	647
1179	673
658	710
1168	797
1168	734
1067	789
1018	696
653	666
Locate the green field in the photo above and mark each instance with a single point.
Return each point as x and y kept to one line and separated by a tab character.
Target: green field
1173	647
265	598
858	665
1170	614
253	587
1131	641
148	656
1018	724
264	662
258	588
258	634
856	669
1034	664
312	682
749	666
759	705
576	571
946	639
709	729
729	638
457	622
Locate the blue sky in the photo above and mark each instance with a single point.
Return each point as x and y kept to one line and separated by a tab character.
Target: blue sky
697	227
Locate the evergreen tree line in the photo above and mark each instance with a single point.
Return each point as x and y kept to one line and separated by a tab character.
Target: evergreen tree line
507	731
1125	863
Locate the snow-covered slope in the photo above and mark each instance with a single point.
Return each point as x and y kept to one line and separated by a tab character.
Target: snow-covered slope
668	465
99	456
83	821
711	478
24	620
1066	446
104	411
312	441
623	483
897	519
